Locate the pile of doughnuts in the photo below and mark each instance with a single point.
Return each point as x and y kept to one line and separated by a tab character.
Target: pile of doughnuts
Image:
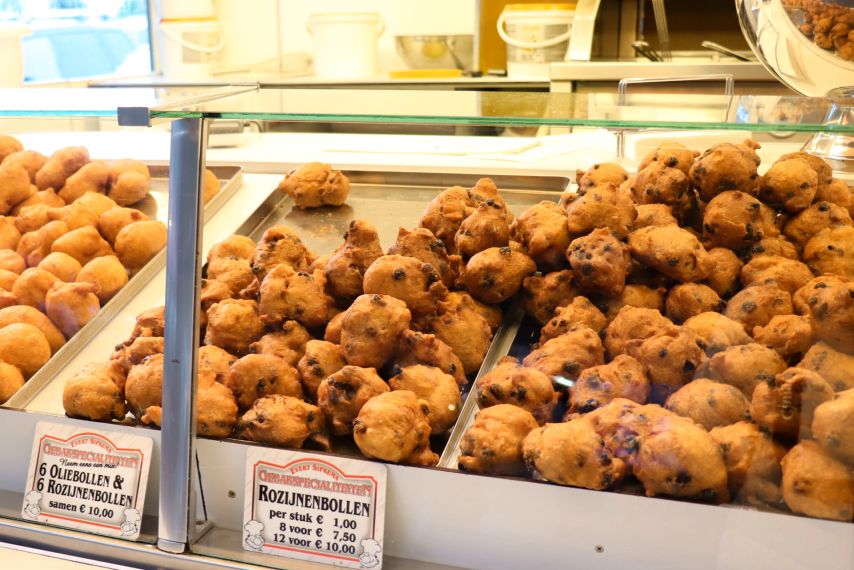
829	24
68	244
363	343
698	330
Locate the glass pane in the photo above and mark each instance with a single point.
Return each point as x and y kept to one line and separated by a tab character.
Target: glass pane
675	111
51	102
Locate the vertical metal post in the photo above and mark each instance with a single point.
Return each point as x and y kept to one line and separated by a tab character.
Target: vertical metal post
183	274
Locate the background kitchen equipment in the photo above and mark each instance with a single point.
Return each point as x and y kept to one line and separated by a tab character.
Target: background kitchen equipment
436	51
345	44
536	35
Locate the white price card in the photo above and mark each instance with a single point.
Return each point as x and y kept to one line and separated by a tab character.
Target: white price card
319	508
87	480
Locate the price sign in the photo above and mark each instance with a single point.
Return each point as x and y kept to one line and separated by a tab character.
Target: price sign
318	508
87	480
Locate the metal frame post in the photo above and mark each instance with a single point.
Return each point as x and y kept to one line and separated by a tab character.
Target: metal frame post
183	276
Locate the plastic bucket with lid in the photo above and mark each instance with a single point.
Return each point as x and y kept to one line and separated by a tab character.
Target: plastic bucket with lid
536	35
190	47
345	45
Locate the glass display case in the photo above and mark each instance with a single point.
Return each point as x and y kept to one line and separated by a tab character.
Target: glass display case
586	280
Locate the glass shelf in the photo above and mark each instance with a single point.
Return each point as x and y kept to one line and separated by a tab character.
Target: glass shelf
607	110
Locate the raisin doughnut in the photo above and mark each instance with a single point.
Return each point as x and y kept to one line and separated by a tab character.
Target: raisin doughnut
789	184
257	375
716	331
493	443
486	227
600	262
370	329
787	274
438	389
772	246
623	377
445	213
832	312
654	215
690	299
735	220
710	404
406	278
726	166
496	274
422	244
745	366
601	174
423	348
321	360
801	228
463	328
633	325
604	206
837	368
810	292
671	359
345	270
632	296
286	294
564	357
542	230
527	388
831	251
581	312
755	306
833	426
342	394
672	154
785	406
817	484
658	183
752	460
542	295
727	267
790	335
394	427
315	184
673	251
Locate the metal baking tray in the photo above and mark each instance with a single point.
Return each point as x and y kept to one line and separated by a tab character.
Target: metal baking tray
155	206
389	201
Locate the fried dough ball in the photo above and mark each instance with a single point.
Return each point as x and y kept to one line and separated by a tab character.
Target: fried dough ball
485	189
138	242
445	213
7	280
211	185
216	409
752	460
91	177
727	267
633	325
821	168
790	335
94	393
572	453
710	404
605	206
315	184
9	234
85	244
96	202
623	377
716	331
238	246
680	459
831	251
406	278
527	388
578	314
836	192
11	261
150	322
61	164
787	274
654	215
658	183
812	290
564	357
601	174
114	220
132	353
675	252
837	368
234	325
62	265
460	325
29	160
75	215
486	227
36	245
690	299
812	220
14	187
671	358
735	220
32	316
11	380
437	388
25	347
542	230
279	244
7	299
234	272
496	274
321	360
422	348
832	312
672	154
345	270
257	375
632	296
543	294
71	306
785	405
789	184
216	360
107	273
832	426
332	333
490	313
32	286
342	394
287	295
816	484
289	342
281	420
778	246
9	145
600	262
129	181
32	218
726	166
493	443
41	198
421	244
745	366
757	305
393	426
371	328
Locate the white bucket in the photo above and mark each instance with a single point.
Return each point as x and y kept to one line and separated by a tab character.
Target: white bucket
190	48
536	35
12	62
345	45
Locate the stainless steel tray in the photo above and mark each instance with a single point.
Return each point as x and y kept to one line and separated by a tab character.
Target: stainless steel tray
155	206
389	201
